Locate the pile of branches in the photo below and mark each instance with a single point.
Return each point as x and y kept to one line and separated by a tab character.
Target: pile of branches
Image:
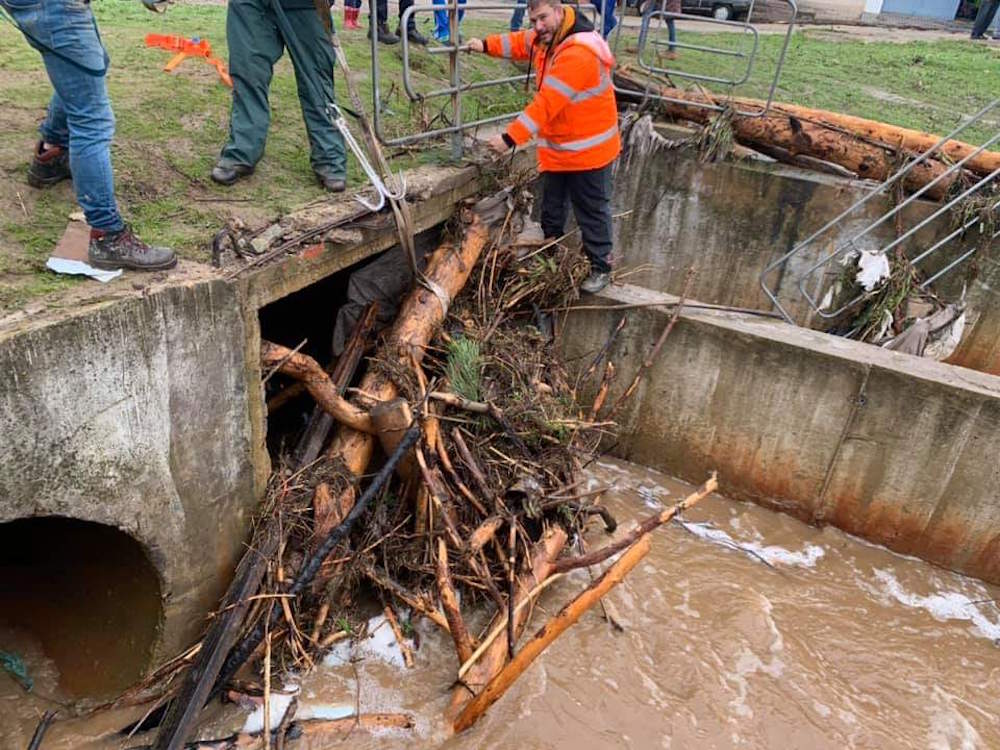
471	425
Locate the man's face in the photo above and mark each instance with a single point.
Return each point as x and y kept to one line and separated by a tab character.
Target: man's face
546	20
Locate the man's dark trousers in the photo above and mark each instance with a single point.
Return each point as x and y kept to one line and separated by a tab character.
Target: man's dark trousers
382	8
987	9
590	193
257	36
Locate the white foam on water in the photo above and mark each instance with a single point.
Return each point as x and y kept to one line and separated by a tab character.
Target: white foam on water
278	704
942	606
772	554
327	711
949	729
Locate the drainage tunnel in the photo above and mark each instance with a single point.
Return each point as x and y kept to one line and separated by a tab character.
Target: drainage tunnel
79	605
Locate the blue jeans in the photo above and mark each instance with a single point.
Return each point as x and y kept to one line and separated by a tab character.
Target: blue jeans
441	30
517	19
644	26
79	116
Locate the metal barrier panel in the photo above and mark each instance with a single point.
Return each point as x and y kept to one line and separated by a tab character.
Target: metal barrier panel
456	87
852	243
659	20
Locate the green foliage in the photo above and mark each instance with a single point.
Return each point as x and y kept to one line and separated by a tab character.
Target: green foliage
464	367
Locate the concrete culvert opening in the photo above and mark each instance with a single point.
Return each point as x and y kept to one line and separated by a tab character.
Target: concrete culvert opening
79	604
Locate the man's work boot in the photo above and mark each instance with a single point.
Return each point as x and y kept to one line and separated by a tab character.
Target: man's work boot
413	35
595	282
229	174
332	183
122	249
384	35
49	166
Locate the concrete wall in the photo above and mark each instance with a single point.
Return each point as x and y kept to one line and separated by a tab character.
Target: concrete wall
730	220
134	414
895	449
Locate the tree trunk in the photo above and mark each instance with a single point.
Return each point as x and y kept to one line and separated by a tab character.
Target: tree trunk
869	151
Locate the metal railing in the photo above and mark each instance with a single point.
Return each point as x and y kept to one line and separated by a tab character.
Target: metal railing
456	87
943	180
655	23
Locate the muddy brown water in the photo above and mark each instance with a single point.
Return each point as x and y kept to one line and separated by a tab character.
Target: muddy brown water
745	628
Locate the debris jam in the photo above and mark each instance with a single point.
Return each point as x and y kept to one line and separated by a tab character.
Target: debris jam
446	558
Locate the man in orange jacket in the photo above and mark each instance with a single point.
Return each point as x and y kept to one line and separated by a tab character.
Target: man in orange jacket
574	120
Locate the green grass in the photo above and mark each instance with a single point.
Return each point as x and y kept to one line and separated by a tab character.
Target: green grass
171	126
923	85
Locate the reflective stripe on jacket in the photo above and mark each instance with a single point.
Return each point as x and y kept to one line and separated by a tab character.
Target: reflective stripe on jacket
573	115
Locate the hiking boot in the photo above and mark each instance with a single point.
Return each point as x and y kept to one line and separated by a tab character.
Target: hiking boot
332	183
49	166
414	36
384	35
229	174
122	249
595	282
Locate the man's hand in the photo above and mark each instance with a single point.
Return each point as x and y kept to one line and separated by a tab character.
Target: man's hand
498	145
476	45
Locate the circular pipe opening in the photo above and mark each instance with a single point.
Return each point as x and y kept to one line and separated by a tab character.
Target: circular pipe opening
79	605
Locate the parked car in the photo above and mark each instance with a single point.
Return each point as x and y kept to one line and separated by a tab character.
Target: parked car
722	10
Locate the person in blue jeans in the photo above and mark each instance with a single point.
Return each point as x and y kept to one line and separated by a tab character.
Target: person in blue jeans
79	126
441	31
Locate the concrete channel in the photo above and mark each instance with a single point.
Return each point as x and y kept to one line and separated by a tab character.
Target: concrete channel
140	416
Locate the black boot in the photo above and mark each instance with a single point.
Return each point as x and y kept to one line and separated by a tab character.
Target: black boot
384	35
413	35
49	166
122	249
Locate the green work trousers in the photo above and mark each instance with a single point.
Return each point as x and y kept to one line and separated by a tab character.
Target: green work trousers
257	36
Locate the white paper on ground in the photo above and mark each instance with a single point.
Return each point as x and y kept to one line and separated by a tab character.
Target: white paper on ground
79	268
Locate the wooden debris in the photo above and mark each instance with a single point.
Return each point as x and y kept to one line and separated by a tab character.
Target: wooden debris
549	632
318	383
828	138
449	602
404	648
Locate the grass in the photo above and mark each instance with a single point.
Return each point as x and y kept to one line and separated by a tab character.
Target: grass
924	85
171	126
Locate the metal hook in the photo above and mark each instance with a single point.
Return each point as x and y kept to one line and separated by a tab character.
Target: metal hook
382	190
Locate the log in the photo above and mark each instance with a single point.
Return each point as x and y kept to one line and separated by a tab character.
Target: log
549	632
320	423
543	557
644	527
184	710
449	602
418	319
890	136
305	368
391	420
801	135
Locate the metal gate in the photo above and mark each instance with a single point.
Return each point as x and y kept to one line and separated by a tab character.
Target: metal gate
651	37
456	87
855	242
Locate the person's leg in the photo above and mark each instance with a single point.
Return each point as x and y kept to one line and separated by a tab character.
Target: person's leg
411	25
441	32
461	13
555	204
987	9
50	163
517	19
381	29
672	34
590	192
608	18
80	116
351	8
311	51
254	47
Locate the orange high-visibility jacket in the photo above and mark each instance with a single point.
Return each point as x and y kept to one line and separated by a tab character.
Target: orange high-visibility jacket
573	115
